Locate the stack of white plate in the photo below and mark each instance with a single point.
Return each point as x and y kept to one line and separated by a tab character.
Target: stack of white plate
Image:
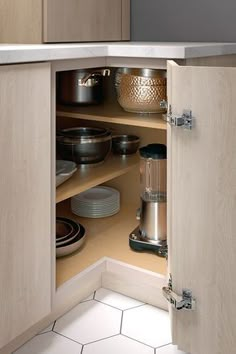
96	202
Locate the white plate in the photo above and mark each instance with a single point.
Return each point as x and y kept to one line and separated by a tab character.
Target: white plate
94	207
96	214
64	170
97	194
97	202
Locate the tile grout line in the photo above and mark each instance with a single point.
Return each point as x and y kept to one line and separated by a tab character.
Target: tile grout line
54	325
121	321
101	339
62	335
135	307
138	341
50	330
116	308
164	345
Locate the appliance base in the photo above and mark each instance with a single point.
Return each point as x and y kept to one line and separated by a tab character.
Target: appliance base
139	243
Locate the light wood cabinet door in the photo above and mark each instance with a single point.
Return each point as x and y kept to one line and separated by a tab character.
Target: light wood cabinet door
202	208
90	20
25	198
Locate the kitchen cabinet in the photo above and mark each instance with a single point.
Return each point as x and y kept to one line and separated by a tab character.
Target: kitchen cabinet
57	21
25	194
201	199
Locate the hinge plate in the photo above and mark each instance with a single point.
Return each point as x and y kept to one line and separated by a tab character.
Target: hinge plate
185	120
179	302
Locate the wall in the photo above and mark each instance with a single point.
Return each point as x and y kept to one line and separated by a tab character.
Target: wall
183	20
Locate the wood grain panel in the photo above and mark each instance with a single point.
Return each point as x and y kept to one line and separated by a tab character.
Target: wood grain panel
79	20
113	113
25	195
90	176
219	60
203	211
125	18
21	21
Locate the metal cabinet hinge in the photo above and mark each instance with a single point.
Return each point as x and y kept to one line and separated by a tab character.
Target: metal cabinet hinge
186	301
185	120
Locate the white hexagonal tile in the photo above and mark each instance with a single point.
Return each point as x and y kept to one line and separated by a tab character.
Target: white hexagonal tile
169	349
115	299
117	345
89	321
49	343
148	325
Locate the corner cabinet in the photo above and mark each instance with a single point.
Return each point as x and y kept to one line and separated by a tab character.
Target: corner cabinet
58	21
201	197
201	201
25	194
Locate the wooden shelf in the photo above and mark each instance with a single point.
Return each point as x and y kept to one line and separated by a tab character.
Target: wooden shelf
90	176
105	237
113	113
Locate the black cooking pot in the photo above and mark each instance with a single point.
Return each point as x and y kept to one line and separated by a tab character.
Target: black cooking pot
84	145
81	87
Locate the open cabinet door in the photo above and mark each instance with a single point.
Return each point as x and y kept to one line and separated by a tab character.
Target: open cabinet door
202	207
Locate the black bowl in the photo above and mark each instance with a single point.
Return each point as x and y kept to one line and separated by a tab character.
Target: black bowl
78	133
125	144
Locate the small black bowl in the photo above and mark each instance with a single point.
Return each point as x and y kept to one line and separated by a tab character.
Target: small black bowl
125	144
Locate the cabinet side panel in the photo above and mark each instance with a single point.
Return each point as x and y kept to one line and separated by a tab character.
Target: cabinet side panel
21	21
82	21
25	198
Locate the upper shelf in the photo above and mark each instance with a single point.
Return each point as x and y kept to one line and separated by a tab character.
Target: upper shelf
90	176
113	113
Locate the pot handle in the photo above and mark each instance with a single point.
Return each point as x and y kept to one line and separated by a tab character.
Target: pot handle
102	72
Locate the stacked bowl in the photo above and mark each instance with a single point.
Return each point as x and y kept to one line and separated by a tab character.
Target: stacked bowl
70	236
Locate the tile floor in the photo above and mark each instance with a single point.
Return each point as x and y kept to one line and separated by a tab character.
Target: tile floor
106	323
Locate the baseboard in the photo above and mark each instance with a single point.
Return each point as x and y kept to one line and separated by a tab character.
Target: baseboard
140	284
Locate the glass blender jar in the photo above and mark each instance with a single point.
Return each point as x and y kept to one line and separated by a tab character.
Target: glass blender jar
151	233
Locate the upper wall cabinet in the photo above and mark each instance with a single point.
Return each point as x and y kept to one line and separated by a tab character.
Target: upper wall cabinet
80	20
55	21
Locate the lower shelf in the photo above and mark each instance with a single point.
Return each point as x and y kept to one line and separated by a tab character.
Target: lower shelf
105	237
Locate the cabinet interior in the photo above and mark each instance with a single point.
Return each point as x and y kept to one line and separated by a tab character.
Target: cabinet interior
108	236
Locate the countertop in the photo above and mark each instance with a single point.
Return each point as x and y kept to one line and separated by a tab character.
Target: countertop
19	53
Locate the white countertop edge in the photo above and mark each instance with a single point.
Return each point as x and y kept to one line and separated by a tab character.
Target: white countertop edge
13	53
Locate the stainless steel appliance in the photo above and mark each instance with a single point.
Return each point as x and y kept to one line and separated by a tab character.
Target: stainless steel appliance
151	232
